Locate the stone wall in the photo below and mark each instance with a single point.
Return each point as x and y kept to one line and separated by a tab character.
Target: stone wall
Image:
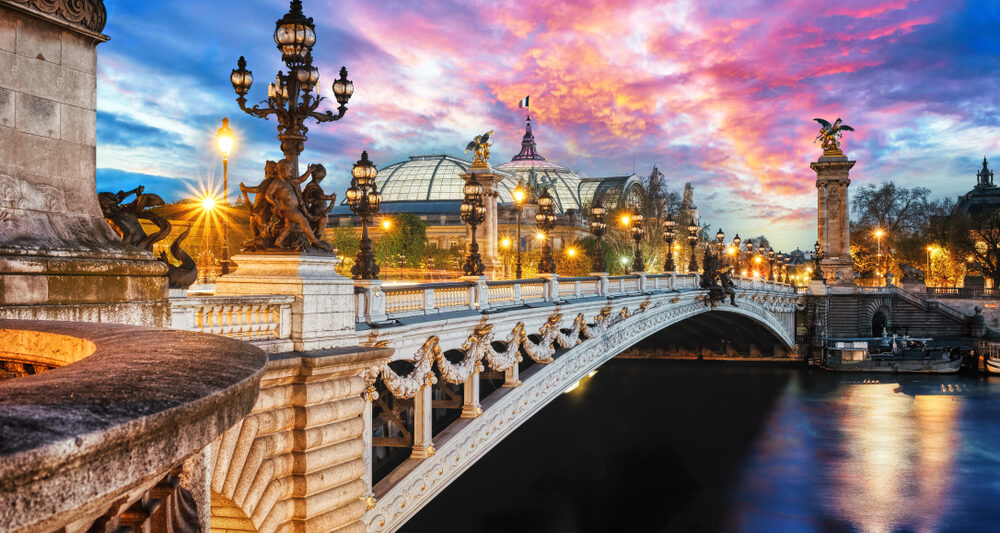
59	259
299	460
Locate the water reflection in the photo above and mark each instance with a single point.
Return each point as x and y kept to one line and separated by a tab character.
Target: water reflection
894	456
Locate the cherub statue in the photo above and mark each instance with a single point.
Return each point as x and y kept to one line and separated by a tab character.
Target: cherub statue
286	201
829	135
480	147
315	201
260	209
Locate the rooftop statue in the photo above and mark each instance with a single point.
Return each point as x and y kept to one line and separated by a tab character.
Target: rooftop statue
480	147
280	216
124	219
829	135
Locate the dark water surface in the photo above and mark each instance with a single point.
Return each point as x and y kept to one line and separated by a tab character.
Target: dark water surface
674	446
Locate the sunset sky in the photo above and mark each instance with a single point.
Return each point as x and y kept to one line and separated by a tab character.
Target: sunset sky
721	94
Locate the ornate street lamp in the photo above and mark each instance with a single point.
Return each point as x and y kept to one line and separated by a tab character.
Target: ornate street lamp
668	234
779	260
817	273
545	220
364	200
224	137
473	214
720	238
637	233
598	227
291	98
693	240
520	194
736	256
770	264
749	255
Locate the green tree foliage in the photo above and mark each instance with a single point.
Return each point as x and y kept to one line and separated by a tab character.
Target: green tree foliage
406	239
345	244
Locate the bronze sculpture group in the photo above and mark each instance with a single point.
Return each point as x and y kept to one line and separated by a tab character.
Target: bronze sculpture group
285	217
124	219
715	277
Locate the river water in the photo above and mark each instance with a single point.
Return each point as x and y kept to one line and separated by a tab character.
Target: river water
647	445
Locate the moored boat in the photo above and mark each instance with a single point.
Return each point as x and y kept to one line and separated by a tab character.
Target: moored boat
901	355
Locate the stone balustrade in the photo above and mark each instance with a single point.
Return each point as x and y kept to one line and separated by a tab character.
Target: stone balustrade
263	320
399	301
113	438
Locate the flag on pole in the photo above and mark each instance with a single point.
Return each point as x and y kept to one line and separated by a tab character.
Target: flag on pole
523	103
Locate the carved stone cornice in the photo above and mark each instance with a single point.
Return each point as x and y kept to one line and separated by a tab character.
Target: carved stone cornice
87	15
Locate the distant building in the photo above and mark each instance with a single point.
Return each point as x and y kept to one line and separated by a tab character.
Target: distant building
430	187
983	198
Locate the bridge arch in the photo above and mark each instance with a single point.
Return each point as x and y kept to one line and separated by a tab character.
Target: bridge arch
585	346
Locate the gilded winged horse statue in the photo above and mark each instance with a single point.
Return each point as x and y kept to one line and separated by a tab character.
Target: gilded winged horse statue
480	147
829	135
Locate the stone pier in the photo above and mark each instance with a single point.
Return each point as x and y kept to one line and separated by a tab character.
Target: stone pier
833	223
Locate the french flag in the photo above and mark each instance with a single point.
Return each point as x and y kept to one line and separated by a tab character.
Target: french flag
523	103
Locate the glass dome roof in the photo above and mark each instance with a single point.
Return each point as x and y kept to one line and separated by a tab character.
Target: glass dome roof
561	181
432	177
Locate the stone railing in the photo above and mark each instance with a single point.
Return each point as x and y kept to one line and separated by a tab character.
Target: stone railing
113	439
264	321
377	303
960	292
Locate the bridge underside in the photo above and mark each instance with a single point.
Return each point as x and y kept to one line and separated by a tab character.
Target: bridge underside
716	334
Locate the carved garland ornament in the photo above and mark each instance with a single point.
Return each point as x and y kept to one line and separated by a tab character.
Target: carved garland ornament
87	13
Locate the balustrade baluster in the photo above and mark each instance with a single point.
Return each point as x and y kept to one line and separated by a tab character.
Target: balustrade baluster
470	393
423	446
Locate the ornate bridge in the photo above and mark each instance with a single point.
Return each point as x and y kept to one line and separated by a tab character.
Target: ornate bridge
470	362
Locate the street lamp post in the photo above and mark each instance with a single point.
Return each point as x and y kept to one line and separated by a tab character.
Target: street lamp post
364	200
749	248
693	241
291	98
770	264
473	214
817	271
720	238
736	255
637	233
668	234
598	227
545	220
520	193
224	137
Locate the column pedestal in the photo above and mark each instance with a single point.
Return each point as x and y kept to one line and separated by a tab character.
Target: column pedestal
833	223
486	233
323	314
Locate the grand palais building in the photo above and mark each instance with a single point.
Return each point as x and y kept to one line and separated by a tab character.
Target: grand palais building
430	187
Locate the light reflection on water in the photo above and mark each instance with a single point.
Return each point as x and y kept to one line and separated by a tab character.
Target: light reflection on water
872	457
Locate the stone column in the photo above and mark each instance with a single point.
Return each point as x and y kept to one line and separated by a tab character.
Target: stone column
59	259
832	218
486	233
